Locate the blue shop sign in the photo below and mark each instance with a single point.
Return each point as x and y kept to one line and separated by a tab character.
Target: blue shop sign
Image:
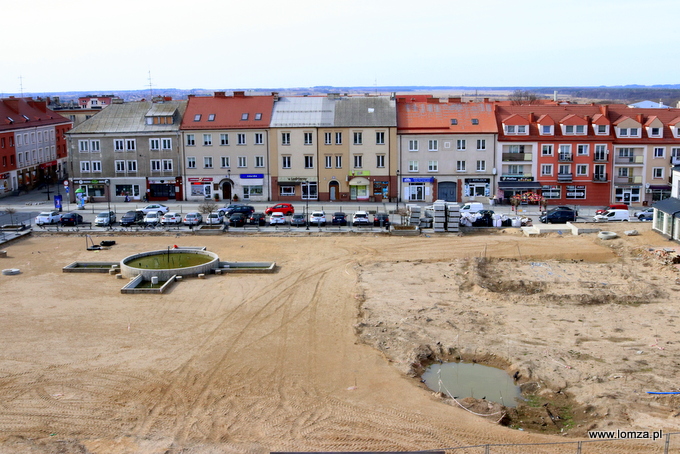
252	175
418	180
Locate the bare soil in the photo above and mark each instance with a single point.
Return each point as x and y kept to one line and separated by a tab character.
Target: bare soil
325	354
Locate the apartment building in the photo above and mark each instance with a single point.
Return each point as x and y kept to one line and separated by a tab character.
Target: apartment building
226	147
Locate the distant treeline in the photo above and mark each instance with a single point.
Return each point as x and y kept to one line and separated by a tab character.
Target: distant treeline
625	95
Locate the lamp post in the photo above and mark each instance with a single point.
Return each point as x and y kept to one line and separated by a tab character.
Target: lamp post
231	196
398	189
307	203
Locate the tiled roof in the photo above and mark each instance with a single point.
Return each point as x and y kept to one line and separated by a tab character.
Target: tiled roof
545	120
429	115
19	113
228	112
130	117
572	120
515	119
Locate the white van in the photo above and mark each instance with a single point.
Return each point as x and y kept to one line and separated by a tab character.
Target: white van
612	215
471	207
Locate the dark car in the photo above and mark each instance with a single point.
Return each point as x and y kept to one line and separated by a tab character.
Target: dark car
71	219
559	215
237	220
381	220
132	217
257	219
245	210
226	208
339	218
298	220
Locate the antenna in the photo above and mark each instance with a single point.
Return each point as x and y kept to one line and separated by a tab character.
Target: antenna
150	87
21	85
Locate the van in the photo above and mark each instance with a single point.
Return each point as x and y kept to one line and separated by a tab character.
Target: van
612	215
472	207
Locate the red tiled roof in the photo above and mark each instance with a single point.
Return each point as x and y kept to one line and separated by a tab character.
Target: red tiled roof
572	120
515	120
545	120
228	112
427	115
13	113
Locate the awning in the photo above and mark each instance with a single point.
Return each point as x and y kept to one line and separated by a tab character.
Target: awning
359	181
519	185
665	187
669	206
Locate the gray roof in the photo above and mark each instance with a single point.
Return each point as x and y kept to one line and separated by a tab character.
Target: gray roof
670	205
291	112
342	111
130	117
365	112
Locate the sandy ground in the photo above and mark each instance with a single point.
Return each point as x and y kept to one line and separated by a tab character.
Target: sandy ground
324	354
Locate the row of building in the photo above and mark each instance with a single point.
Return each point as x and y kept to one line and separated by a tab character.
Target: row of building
339	148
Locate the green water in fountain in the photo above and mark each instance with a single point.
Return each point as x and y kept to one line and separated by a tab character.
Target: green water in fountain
167	261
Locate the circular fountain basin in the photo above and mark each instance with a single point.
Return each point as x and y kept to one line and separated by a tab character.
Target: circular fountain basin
167	263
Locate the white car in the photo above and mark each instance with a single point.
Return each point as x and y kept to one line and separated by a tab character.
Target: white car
317	218
155	207
193	219
152	218
214	219
48	217
277	218
171	218
360	218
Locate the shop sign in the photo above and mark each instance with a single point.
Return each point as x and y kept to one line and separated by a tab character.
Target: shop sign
200	179
92	181
252	175
524	179
477	180
296	179
417	180
359	173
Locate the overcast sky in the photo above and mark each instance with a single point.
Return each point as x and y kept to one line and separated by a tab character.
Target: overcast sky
104	46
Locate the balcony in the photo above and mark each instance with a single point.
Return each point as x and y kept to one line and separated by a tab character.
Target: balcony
601	178
601	156
629	160
565	157
635	179
565	177
517	157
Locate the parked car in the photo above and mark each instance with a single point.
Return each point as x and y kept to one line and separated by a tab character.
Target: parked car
317	218
71	219
193	219
472	207
226	208
298	220
615	206
360	218
214	219
152	218
132	217
381	220
277	218
171	218
48	217
285	208
257	219
246	210
612	215
237	220
558	215
105	219
645	215
155	207
339	218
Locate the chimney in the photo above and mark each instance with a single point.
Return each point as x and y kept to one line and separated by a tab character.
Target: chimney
455	100
239	94
120	100
486	99
12	103
433	100
275	95
220	94
604	110
640	119
531	117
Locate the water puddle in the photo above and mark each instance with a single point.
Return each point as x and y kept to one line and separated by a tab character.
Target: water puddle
473	380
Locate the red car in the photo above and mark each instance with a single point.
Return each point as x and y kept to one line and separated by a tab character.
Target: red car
285	208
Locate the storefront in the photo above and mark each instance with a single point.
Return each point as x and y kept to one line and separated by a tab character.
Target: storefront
297	188
91	190
656	192
165	189
417	189
359	188
476	187
381	190
252	186
628	194
512	186
200	188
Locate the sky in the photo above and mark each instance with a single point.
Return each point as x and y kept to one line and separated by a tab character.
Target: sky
104	46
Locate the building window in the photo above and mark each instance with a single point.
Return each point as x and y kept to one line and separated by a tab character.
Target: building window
327	138
546	170
83	146
515	169
258	116
433	145
338	138
413	166
309	162
132	166
287	190
454	121
475	121
197	117
211	117
308	138
154	144
481	144
460	166
460	144
285	138
224	139
85	166
412	145
546	150
155	165
130	145
432	166
244	116
602	129
207	140
380	161
119	145
95	147
564	169
329	161
241	139
576	192
191	162
259	138
552	192
167	165
338	161
166	144
285	162
191	140
358	138
224	162
634	132
207	162
657	172
242	161
380	138
546	130
582	170
659	152
655	132
358	161
120	166
582	150
481	166
259	161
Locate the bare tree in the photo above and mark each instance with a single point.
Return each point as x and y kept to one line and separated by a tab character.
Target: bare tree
207	207
523	97
11	211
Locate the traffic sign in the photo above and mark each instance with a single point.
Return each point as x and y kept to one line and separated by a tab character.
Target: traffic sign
65	182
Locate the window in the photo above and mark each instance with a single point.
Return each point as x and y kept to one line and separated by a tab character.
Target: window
657	172
287	190
211	117
97	166
207	162
329	161
285	138
546	150
154	144
191	162
634	132
285	162
623	172
433	145
358	138
582	150
454	121
83	146
546	130
412	145
413	166
358	161
120	166
84	166
515	169
308	138
327	138
95	146
546	170
582	170
510	129
564	169
518	129
191	140
623	132
481	166
602	129
224	139
432	166
166	144
460	166
244	116
259	161
576	192
338	161
516	148
552	192
338	138
132	166
224	162
258	116
481	144
380	160
380	138
659	152
155	165
241	139
130	144
167	165
475	121
655	132
207	140
197	117
259	138
242	161
460	144
675	153
309	162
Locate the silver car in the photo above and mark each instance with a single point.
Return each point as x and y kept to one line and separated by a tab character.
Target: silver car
105	219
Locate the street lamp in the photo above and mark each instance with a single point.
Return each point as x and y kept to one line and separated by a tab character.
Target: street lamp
398	189
307	202
231	196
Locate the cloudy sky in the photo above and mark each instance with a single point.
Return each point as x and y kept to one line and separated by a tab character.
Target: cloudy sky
98	46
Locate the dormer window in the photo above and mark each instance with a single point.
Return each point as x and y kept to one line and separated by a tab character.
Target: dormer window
515	129
197	117
634	132
454	121
623	132
11	120
547	130
26	118
244	116
211	117
655	132
601	129
475	121
574	129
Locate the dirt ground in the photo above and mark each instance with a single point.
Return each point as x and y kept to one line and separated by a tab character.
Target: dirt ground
325	354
